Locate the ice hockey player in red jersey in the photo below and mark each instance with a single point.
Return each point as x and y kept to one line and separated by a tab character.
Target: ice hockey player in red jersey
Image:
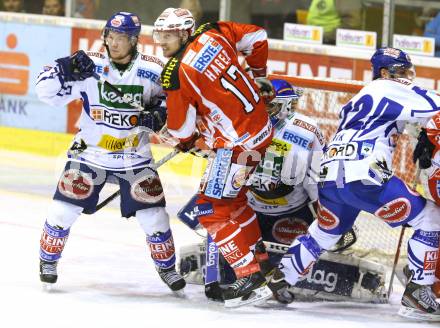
427	152
209	93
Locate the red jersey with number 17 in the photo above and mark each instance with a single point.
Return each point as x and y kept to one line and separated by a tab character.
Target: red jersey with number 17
208	89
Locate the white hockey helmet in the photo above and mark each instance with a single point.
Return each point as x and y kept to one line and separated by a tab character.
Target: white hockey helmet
175	19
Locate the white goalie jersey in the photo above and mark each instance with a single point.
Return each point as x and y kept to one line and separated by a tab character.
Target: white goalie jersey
287	178
108	135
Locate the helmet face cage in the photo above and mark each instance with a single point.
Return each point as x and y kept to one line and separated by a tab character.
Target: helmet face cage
396	61
286	98
281	107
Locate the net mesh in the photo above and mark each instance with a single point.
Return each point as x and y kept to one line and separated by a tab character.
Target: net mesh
322	100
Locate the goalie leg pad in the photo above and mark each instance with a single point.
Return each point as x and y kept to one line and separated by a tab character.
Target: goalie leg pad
339	277
52	242
423	251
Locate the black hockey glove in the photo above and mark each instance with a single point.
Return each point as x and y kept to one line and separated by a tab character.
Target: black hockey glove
76	67
423	150
266	90
153	117
187	145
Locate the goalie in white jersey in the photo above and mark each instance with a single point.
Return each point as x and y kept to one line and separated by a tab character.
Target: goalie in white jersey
356	171
110	144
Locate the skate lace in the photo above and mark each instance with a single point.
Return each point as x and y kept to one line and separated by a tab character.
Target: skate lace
239	283
427	296
49	268
169	277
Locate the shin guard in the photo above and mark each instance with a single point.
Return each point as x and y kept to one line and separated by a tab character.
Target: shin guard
162	249
423	250
52	242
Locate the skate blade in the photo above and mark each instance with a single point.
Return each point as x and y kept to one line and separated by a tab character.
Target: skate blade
47	287
257	296
271	303
179	293
416	314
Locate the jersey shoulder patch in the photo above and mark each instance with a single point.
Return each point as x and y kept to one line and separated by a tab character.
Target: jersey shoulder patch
152	59
170	75
205	28
95	54
308	124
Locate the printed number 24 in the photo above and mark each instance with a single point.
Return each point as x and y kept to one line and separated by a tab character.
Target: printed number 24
232	72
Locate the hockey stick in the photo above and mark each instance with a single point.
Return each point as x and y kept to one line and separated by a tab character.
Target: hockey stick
195	151
282	248
155	166
399	243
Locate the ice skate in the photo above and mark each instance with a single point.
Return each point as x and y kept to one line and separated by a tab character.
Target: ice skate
247	290
418	302
214	292
48	274
266	267
173	279
279	288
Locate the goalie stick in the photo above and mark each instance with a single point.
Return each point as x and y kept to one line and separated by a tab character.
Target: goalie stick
346	240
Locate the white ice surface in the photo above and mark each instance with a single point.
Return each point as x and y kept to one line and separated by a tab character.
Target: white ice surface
106	278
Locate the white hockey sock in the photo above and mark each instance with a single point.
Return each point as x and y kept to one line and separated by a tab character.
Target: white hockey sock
423	249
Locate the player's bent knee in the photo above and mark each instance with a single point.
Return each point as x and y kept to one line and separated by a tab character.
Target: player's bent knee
63	214
324	239
428	218
154	219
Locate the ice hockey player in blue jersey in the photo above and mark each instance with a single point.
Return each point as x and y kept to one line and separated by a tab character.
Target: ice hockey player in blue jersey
356	173
112	143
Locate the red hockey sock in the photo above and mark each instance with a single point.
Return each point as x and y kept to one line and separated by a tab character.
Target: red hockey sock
248	222
232	243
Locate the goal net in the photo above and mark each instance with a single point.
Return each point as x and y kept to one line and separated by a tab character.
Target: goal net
322	100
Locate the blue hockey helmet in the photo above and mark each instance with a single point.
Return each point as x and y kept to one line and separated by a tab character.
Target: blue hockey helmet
125	23
393	59
286	97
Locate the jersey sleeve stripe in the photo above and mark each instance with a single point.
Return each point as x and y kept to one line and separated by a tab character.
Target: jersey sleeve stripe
246	44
